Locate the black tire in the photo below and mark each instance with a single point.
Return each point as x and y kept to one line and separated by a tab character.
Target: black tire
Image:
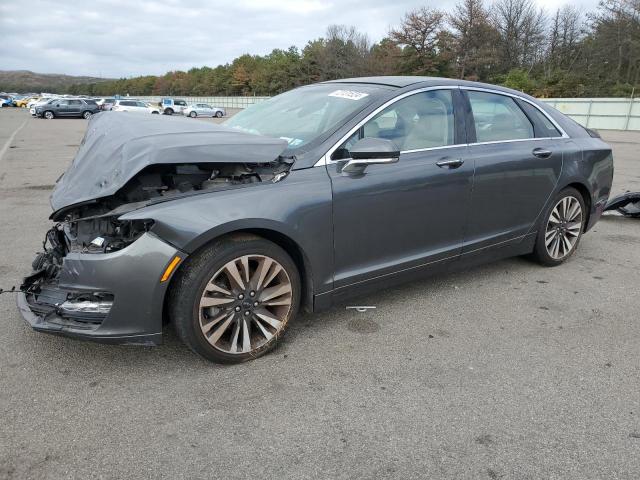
193	114
218	114
189	284
155	113
86	115
168	111
540	253
49	115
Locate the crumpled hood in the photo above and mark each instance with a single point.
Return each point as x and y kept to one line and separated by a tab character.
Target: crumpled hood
118	145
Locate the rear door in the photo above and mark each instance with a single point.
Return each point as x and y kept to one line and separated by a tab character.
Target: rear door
517	168
74	108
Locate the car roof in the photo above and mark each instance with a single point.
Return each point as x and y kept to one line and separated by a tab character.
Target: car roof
419	81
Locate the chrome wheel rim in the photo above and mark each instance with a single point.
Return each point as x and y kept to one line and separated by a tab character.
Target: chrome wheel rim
245	304
48	115
563	228
87	115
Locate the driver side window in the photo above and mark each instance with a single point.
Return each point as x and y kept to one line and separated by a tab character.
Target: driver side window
423	120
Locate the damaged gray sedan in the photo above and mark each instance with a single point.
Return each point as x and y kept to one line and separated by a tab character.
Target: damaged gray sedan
315	196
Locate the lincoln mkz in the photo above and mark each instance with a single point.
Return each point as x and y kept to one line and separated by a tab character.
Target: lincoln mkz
315	196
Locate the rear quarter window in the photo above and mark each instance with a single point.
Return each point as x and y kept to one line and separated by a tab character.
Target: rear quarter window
543	126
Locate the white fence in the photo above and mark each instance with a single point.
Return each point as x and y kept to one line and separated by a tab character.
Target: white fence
597	113
225	102
600	113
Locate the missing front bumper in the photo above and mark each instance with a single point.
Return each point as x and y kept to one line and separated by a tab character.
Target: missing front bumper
131	276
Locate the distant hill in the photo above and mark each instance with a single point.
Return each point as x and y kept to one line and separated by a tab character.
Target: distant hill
26	81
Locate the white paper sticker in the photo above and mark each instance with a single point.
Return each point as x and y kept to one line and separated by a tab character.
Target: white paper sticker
348	94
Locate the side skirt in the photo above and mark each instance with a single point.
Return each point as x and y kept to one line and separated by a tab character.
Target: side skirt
520	246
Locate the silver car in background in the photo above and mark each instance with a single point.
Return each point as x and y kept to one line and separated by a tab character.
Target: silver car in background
204	110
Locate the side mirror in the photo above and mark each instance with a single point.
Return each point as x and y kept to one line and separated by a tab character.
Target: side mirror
371	151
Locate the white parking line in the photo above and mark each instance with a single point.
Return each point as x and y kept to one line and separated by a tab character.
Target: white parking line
5	147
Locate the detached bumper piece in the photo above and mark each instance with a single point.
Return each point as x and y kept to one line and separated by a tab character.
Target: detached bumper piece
110	298
84	311
628	204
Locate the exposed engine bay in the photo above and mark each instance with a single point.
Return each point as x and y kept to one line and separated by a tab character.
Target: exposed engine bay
93	227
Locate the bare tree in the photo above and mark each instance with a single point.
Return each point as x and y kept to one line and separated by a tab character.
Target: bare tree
420	34
565	35
475	39
522	32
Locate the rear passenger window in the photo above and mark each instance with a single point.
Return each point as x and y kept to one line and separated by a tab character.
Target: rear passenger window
498	118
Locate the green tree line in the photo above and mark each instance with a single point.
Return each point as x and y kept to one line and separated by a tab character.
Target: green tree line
568	52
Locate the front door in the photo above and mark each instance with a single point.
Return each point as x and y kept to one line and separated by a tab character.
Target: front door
411	213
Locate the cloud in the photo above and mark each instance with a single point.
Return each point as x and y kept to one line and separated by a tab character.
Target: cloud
115	38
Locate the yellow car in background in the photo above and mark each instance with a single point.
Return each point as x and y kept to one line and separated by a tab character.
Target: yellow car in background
22	103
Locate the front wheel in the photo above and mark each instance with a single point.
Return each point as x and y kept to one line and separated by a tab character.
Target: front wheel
562	228
168	111
232	302
48	115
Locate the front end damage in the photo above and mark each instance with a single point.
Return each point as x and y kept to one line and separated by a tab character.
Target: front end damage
102	278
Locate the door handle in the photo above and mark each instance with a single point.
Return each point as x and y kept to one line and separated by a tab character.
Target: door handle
450	164
541	153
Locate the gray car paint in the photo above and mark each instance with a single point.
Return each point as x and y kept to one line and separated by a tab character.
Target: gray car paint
349	234
136	315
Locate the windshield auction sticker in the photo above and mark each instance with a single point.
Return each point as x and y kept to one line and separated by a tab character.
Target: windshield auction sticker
348	94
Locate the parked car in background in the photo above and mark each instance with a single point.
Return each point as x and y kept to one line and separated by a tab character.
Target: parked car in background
22	103
317	195
5	101
32	110
203	110
172	106
39	101
67	107
106	103
136	106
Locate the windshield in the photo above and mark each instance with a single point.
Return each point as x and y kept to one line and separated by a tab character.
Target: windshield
304	114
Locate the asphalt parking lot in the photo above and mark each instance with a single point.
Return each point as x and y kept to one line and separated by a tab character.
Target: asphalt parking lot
506	371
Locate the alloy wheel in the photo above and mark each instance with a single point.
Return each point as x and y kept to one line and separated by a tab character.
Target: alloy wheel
245	304
563	228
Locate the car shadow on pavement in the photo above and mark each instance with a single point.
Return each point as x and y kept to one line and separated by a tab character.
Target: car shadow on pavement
174	356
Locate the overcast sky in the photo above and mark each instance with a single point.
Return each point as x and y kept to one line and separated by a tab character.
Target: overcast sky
123	38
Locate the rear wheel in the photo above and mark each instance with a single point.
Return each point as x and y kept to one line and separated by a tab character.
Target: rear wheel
232	302
48	115
168	111
86	115
562	229
218	114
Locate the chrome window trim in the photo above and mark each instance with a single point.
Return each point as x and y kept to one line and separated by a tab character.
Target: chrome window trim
326	158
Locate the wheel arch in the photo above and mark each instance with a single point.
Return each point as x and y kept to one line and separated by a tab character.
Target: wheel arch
284	241
586	197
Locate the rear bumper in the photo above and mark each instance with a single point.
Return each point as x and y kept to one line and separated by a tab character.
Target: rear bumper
132	275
